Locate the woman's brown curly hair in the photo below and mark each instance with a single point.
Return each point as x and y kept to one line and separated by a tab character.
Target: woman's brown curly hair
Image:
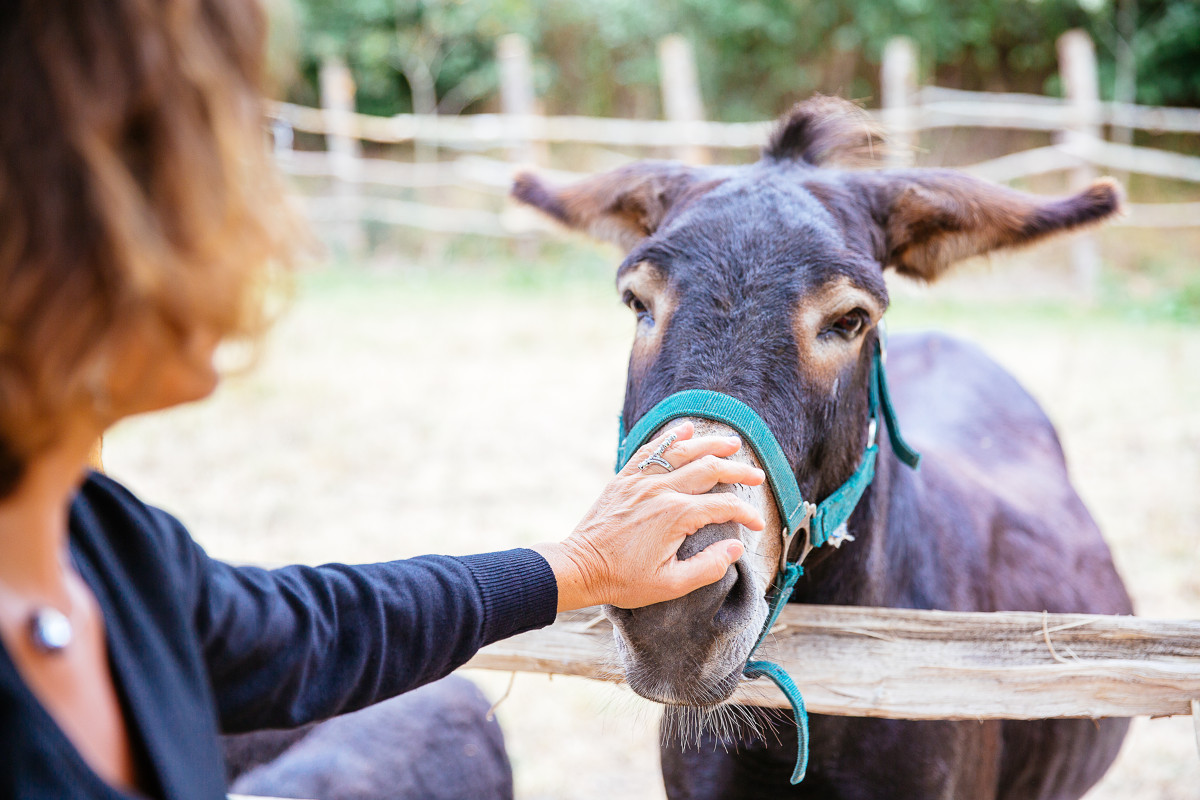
135	184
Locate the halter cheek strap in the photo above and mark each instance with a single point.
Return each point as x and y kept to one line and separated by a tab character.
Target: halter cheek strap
820	523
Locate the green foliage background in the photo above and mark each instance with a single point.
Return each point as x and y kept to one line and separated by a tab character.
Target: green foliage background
755	56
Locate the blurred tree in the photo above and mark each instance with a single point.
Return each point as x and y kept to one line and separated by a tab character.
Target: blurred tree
431	56
755	56
1166	49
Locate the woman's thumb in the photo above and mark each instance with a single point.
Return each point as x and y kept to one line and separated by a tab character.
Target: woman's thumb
710	564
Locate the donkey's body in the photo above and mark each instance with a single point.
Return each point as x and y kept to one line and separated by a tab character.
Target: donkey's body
765	283
1005	530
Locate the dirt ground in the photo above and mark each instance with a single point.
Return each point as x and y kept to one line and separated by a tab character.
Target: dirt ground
393	416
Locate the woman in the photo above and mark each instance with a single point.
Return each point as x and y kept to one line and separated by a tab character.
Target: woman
139	222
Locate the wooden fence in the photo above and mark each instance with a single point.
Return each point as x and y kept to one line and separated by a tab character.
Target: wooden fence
904	664
520	135
485	132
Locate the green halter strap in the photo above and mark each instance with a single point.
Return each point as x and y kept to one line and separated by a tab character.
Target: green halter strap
821	523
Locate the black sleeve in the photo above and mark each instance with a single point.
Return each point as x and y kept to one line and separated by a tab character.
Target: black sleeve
287	646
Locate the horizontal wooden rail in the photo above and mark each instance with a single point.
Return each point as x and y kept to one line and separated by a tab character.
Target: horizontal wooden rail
497	130
938	108
1161	215
1120	157
1144	160
405	213
904	664
1050	112
475	172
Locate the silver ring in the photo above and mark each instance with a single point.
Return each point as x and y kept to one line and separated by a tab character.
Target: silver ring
656	459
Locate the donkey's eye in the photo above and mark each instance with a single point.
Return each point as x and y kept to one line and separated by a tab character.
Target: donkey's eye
849	325
636	305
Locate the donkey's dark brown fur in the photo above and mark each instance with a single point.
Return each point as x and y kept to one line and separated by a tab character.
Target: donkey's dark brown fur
765	282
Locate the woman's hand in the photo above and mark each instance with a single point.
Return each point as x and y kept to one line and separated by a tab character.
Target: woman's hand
623	552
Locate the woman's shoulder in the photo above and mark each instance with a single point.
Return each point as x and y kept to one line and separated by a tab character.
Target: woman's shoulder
106	495
109	522
108	501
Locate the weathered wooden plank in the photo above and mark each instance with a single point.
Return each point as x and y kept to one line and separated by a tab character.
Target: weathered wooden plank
1081	84
898	85
905	664
1161	215
935	108
517	95
1070	154
1144	160
405	213
974	105
681	97
491	130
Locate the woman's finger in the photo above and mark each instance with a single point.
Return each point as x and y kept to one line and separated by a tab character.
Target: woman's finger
706	567
682	453
683	449
701	475
713	509
682	433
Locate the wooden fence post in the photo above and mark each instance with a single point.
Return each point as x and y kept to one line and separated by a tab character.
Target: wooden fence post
337	100
898	83
681	91
517	99
1125	84
1081	85
519	103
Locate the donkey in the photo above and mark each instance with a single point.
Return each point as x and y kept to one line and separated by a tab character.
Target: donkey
766	282
433	743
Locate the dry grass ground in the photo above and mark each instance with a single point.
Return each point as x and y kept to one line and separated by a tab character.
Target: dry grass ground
395	416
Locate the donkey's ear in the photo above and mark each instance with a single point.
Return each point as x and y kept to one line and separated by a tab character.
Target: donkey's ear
933	218
623	206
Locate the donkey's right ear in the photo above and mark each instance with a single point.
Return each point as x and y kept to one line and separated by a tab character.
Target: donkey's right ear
623	206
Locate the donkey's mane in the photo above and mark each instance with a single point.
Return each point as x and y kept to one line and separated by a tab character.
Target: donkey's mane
823	130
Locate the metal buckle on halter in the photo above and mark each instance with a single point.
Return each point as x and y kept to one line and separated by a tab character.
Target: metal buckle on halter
804	526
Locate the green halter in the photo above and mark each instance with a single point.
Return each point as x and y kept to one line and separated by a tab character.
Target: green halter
821	523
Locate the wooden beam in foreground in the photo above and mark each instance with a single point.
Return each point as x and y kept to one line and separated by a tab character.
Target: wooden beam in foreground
904	664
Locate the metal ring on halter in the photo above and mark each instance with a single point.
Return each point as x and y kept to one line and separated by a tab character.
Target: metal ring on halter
657	457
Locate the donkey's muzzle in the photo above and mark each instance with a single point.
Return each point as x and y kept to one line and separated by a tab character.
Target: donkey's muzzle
689	651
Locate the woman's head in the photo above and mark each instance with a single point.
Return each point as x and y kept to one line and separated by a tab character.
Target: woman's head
139	212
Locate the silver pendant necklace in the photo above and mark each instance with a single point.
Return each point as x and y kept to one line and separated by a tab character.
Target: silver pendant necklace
49	630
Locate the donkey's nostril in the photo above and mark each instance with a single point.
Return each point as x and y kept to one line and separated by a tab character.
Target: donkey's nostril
738	597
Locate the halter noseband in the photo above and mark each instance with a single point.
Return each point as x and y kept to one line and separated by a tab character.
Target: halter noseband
821	523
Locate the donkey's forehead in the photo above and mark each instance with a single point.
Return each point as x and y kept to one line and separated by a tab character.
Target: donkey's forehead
762	224
766	203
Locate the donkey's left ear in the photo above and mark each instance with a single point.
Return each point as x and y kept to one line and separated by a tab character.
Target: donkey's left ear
623	206
933	218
